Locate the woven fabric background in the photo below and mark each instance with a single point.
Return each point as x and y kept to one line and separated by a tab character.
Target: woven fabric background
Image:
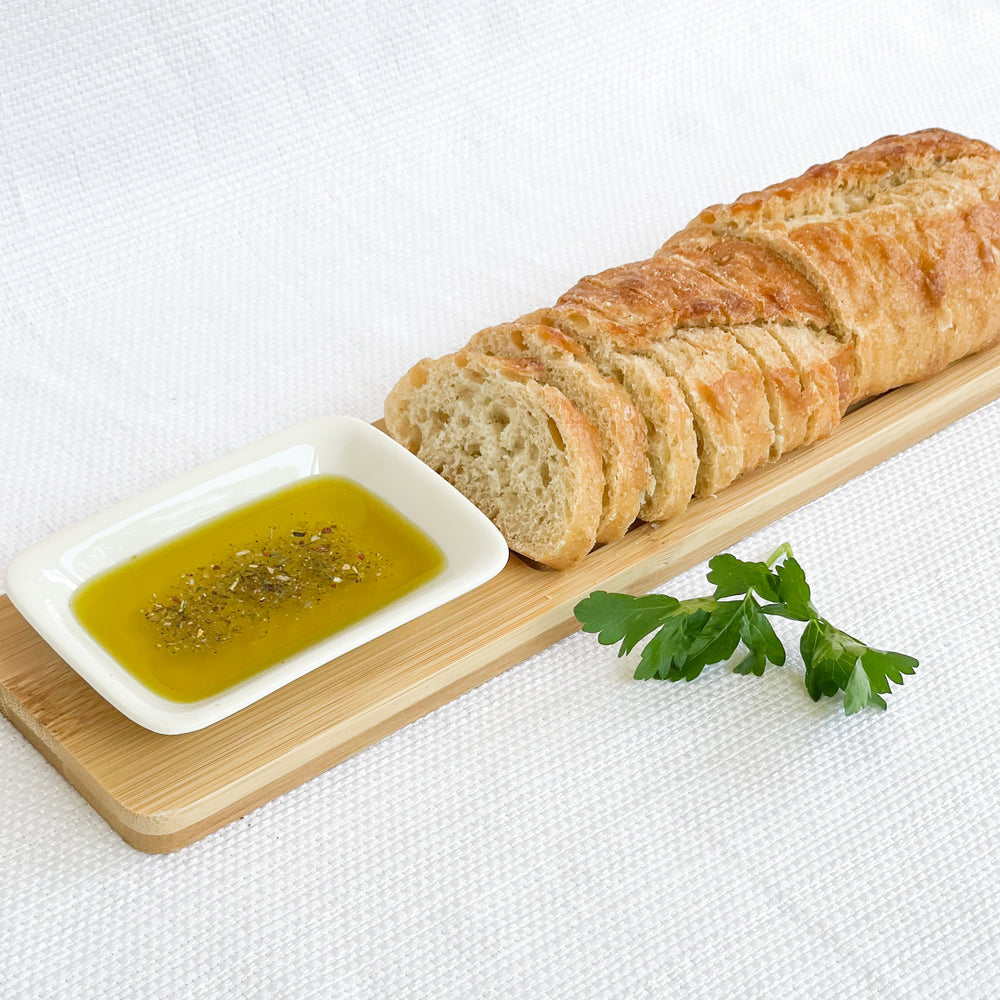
218	218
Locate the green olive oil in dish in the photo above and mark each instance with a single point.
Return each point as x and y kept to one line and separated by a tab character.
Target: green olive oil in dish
218	604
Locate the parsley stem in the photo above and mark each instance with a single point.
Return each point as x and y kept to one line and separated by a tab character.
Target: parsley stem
784	549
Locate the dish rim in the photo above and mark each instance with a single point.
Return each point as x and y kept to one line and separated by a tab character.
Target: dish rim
41	579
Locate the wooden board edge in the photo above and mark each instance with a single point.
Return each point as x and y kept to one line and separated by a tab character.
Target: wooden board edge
166	833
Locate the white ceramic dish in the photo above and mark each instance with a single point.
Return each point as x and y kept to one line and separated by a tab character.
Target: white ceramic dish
41	581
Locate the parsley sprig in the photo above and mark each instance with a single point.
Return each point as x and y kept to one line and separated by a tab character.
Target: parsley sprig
689	635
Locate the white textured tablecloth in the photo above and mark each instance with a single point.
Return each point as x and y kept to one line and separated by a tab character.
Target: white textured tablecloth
219	218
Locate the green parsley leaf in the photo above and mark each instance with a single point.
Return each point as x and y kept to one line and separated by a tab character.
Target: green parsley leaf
733	577
794	598
829	656
759	637
717	640
836	661
666	655
623	618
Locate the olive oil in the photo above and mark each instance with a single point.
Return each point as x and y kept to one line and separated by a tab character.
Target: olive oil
230	598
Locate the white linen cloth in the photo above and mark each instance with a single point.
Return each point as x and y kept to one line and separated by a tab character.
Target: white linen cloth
219	218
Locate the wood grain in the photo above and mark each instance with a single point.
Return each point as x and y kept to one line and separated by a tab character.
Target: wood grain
161	793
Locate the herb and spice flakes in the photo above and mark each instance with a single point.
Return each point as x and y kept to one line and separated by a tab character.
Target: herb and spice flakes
290	570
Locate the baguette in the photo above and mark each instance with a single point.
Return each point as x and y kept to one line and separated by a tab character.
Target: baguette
745	336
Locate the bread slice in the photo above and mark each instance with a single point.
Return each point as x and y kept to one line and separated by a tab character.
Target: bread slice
599	398
517	448
788	400
826	371
745	380
712	402
671	443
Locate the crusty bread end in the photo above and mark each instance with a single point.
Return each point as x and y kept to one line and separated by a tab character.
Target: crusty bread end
517	448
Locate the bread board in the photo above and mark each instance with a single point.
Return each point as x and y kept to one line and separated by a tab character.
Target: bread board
161	793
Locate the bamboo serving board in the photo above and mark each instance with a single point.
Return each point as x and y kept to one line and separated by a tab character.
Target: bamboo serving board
161	793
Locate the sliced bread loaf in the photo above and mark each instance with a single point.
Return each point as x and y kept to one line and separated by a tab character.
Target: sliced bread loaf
748	334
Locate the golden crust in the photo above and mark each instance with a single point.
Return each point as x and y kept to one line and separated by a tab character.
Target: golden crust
741	375
867	176
787	397
825	367
901	240
771	288
712	396
660	292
